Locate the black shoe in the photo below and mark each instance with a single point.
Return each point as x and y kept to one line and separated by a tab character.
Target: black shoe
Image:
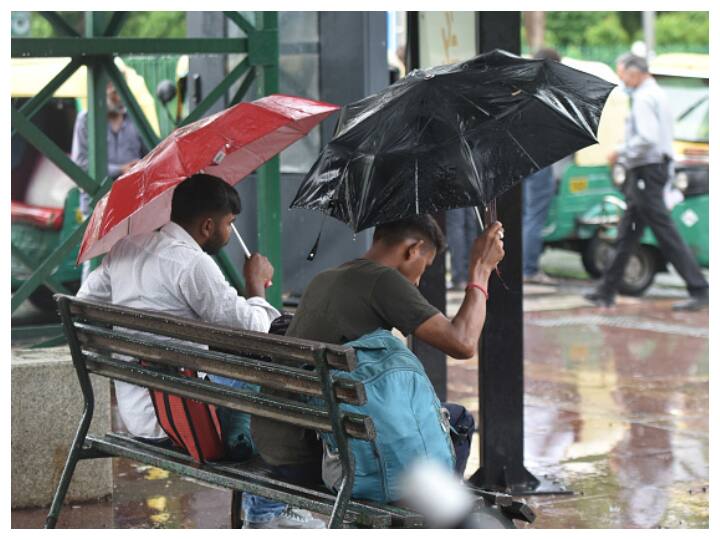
694	303
600	298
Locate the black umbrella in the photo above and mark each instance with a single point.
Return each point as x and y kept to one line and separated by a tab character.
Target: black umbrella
452	136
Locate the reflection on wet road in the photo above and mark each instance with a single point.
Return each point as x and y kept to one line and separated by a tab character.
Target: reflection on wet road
616	408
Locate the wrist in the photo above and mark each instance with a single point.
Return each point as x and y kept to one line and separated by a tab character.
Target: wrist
253	288
477	287
481	275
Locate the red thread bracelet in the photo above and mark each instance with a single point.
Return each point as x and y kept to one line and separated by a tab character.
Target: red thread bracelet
476	286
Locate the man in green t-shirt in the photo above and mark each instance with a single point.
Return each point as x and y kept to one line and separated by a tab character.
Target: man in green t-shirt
380	290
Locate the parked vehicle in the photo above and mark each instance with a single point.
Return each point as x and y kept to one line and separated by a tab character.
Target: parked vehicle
589	200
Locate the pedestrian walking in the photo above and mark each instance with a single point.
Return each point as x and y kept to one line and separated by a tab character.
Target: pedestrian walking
646	154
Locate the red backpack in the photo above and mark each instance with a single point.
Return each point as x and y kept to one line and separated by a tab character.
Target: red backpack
190	424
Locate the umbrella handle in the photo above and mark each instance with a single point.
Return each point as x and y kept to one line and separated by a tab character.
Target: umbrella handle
493	218
245	249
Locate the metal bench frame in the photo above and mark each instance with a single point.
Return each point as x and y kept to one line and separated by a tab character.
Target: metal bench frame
96	332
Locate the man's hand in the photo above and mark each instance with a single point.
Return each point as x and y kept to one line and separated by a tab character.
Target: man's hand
486	252
257	272
612	157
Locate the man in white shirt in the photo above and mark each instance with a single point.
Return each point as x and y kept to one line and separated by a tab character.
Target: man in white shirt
171	271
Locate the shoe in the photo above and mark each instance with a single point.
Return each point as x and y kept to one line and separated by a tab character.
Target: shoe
600	298
539	278
694	303
290	518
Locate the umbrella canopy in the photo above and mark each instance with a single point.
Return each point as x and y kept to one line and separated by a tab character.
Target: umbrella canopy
452	136
229	144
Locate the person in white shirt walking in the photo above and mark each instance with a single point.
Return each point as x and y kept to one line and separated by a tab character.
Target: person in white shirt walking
647	156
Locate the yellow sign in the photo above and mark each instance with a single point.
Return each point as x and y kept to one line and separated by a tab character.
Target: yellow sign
578	184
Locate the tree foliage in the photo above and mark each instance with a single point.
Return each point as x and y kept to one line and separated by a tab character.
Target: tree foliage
160	24
608	28
40	27
690	27
565	28
164	24
607	31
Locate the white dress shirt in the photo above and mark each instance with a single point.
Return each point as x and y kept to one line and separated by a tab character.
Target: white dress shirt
167	271
648	127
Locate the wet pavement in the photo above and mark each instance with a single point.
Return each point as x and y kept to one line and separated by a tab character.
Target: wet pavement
616	410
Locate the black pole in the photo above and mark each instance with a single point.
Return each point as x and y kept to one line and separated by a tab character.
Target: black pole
501	344
432	284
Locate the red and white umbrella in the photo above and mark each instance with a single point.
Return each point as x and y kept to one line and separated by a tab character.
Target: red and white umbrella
229	144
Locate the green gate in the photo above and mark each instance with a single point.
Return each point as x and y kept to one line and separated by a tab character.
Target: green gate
96	50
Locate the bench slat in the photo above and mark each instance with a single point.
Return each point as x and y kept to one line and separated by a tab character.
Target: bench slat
250	370
239	341
283	410
115	445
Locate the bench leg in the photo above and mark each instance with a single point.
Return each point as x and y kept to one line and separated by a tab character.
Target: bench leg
341	503
66	477
236	520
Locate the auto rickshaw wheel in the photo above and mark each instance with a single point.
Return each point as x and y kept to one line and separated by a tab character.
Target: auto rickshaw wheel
593	257
639	272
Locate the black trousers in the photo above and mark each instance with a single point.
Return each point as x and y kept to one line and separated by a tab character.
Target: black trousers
646	208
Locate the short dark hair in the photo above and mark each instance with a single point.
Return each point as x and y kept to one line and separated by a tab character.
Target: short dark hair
201	195
423	225
633	61
547	53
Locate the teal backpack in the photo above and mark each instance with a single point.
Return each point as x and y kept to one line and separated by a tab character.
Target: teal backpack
402	403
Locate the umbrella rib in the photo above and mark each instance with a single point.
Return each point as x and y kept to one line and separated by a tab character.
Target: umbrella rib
417	190
520	146
472	162
478	107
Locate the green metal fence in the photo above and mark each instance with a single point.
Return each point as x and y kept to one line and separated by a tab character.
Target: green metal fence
96	49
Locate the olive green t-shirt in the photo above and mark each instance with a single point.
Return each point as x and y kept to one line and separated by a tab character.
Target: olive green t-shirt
341	305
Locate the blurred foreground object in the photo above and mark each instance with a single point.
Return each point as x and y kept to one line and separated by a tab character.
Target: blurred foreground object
447	503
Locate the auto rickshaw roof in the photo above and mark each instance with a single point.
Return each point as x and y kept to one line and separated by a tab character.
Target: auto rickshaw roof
28	76
681	65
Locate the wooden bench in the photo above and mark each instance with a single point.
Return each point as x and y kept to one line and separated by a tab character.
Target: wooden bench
97	333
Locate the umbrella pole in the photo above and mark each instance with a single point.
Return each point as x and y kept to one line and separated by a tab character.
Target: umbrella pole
246	250
479	218
242	243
